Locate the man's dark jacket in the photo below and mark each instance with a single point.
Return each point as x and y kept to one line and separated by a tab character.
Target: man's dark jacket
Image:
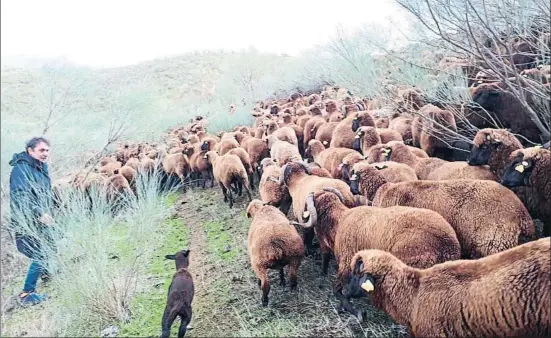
30	192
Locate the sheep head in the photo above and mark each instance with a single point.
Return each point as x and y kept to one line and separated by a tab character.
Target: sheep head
368	268
211	156
323	197
254	206
291	169
181	257
488	142
363	118
523	163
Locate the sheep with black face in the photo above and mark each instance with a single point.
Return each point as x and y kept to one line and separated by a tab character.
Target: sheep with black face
180	295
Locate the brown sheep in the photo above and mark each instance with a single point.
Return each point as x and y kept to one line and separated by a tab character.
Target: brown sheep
116	187
298	179
461	170
273	243
388	135
402	125
230	174
110	167
146	164
226	144
180	295
257	150
284	134
345	132
199	166
492	147
310	128
506	294
130	174
487	217
317	170
282	152
365	179
343	169
177	165
420	237
133	162
366	137
507	109
530	168
107	159
399	152
208	143
329	158
272	193
324	133
246	160
436	127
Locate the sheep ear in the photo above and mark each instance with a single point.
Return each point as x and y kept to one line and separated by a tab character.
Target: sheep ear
359	267
173	257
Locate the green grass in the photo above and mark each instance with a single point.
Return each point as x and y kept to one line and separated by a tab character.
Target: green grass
148	307
220	243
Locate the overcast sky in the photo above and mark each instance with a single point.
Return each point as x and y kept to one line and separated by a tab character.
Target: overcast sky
116	32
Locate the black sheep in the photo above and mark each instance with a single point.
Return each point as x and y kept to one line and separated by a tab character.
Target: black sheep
180	295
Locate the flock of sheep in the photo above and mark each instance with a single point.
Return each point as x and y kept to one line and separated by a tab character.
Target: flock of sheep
446	247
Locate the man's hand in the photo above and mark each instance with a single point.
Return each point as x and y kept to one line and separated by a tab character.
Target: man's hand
46	219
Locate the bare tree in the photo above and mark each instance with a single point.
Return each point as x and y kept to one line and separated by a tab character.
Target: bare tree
502	36
53	91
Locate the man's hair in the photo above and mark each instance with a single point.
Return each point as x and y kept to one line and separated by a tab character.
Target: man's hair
32	143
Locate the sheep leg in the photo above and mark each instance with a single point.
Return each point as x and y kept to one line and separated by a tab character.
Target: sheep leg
183	181
293	269
182	329
168	319
281	277
230	197
307	240
248	191
345	301
265	286
325	261
225	192
239	188
285	205
185	318
251	181
210	174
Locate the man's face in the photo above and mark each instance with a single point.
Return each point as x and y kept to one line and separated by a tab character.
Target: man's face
41	152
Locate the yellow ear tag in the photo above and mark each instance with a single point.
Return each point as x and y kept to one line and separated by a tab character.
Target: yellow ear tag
305	214
324	143
354	177
519	168
368	286
524	163
205	156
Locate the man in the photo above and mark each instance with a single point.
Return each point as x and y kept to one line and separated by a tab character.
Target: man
31	202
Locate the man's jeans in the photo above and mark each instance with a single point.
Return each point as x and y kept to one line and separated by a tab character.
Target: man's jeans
30	248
